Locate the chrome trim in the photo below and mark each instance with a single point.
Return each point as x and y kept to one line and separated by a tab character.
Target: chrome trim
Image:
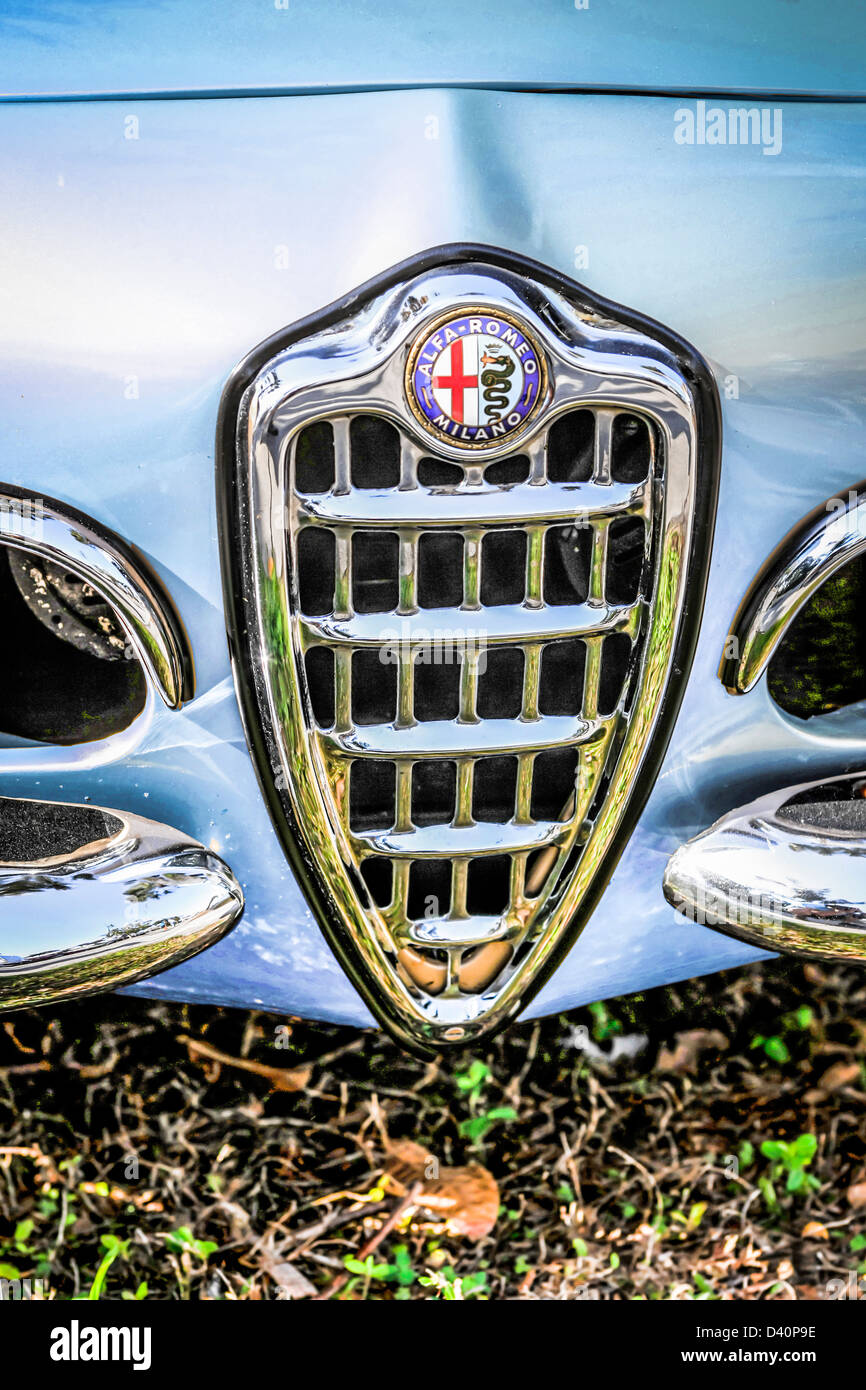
504	625
350	362
776	882
66	537
142	899
452	842
829	537
450	738
518	505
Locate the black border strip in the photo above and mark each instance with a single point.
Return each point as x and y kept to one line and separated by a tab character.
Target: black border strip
766	95
231	505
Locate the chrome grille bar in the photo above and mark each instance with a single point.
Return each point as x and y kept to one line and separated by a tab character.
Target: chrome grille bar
505	625
522	504
461	738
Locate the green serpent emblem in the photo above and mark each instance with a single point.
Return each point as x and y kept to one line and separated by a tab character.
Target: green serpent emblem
496	380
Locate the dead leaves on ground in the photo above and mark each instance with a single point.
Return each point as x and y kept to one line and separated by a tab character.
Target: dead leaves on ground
687	1049
856	1195
838	1077
465	1198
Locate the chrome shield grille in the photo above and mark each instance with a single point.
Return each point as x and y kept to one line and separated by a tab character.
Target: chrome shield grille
454	660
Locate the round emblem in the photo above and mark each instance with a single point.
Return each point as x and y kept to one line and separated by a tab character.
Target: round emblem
474	378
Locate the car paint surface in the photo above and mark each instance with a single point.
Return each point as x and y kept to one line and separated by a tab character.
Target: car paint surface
149	246
101	47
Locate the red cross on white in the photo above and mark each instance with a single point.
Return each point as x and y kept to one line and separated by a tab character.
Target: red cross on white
455	381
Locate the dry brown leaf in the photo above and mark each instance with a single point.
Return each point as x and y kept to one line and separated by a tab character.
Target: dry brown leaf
814	974
406	1159
288	1278
815	1230
466	1198
834	1078
281	1078
683	1057
857	1195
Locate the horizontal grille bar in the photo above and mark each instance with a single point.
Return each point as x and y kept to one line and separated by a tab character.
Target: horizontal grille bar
493	507
461	841
460	931
505	624
450	738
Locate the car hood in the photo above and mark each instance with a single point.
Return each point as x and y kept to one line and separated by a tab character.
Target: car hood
139	47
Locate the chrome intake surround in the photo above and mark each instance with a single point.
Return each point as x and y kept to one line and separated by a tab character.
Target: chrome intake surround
117	904
831	536
63	536
456	968
786	873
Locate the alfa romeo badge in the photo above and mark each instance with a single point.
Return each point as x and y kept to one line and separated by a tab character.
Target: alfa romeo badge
475	378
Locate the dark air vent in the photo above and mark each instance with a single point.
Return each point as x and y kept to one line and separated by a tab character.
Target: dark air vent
66	676
820	664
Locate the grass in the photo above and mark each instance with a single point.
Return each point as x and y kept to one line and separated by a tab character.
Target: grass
698	1164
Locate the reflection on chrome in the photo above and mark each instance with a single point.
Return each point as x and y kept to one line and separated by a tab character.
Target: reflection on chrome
461	963
825	540
787	872
66	537
120	899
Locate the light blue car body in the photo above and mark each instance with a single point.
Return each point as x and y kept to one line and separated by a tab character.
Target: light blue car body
149	242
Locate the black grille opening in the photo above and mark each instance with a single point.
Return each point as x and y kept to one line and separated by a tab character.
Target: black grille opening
429	889
570	448
494	788
503	567
438	473
437	688
434	792
375	568
440	570
630	449
625	558
505	472
314	458
553	778
372	794
500	686
319	665
560	689
316	572
487	884
59	683
820	663
375	452
374	688
615	660
567	557
378	874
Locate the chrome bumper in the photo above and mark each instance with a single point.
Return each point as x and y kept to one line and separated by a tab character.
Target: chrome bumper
110	908
787	872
